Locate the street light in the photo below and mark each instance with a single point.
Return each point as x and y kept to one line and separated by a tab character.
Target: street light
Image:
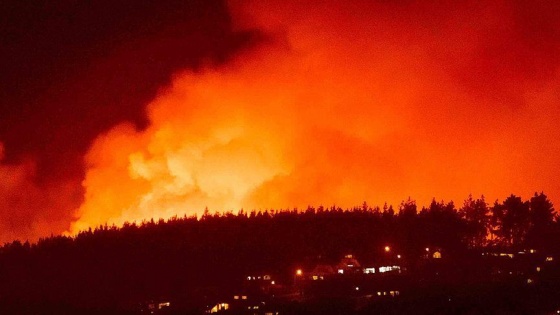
299	272
387	249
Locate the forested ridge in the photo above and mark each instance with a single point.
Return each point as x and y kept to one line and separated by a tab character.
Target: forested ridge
110	265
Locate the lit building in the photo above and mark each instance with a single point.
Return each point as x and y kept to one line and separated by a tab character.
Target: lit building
218	307
348	264
321	271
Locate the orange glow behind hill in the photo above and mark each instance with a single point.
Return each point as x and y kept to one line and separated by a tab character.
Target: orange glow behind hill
342	104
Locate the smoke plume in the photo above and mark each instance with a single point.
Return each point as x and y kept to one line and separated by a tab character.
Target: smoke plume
343	103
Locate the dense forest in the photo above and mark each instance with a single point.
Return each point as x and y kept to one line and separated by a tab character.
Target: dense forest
110	266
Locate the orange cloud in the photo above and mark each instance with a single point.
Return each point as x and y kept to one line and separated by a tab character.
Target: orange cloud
340	104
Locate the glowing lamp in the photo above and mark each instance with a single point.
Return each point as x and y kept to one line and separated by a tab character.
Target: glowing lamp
387	249
299	272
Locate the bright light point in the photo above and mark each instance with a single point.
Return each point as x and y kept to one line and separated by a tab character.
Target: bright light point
357	288
272	282
427	249
399	256
299	272
387	248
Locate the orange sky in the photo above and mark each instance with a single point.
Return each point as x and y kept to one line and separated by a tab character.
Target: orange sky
342	103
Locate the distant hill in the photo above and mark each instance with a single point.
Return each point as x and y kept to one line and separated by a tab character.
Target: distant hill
111	267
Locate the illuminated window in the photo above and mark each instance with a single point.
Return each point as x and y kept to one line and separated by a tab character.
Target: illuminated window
341	271
436	255
378	293
348	256
236	297
219	307
249	278
243	297
266	277
315	277
369	270
506	255
549	258
388	268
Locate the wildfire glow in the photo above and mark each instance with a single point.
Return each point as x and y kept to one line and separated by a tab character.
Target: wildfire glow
346	103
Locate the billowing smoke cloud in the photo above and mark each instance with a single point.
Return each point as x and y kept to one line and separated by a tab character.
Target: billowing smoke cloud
26	207
343	103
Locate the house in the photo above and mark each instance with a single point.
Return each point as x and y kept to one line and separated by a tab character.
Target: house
321	271
348	264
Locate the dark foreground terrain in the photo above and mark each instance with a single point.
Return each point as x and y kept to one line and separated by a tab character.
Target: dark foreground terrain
437	260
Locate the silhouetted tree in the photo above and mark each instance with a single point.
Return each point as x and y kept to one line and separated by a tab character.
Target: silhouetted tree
408	208
442	226
408	226
541	219
511	220
476	214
